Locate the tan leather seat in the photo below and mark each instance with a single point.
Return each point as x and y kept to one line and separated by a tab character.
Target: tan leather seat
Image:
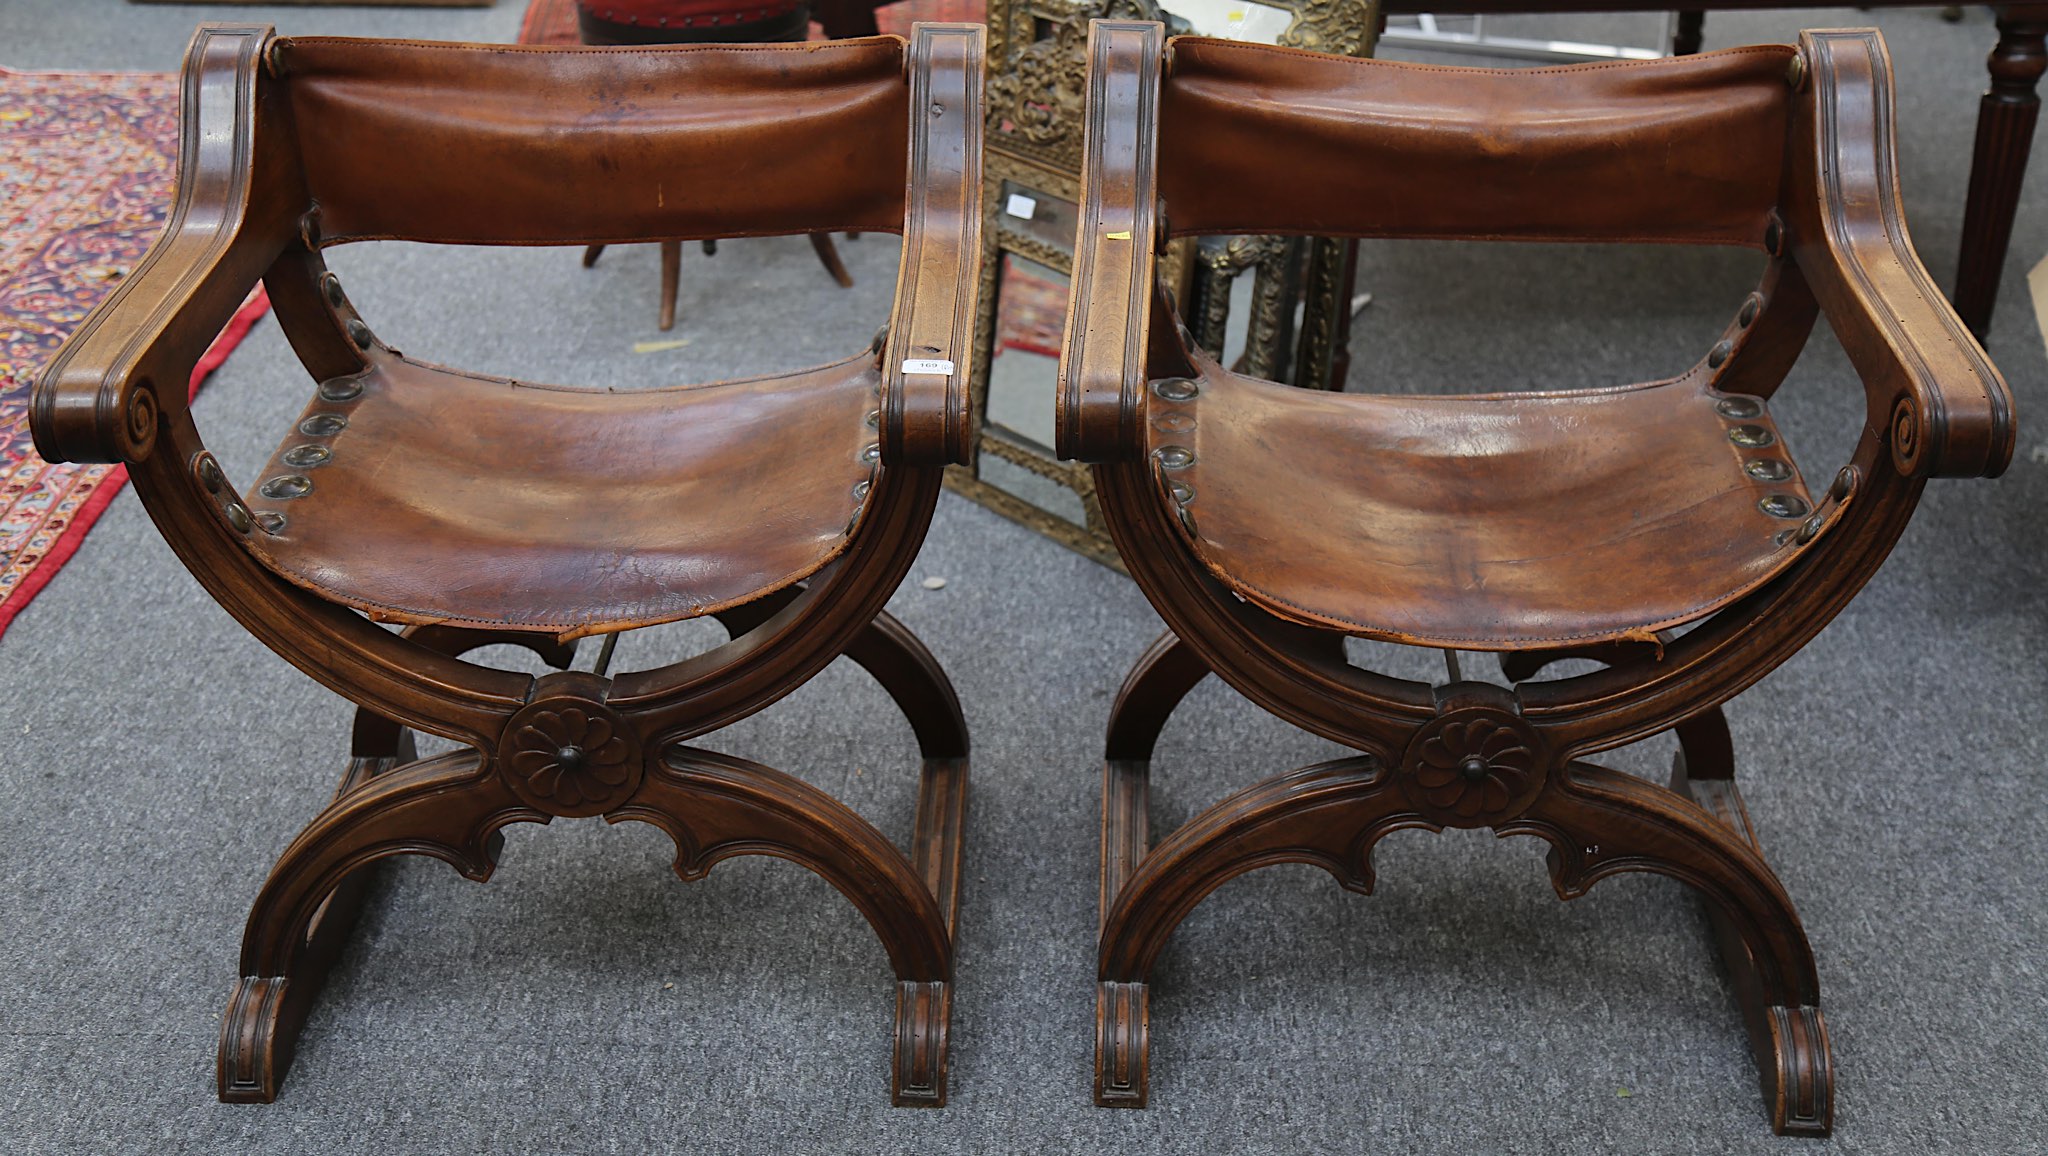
1495	521
453	497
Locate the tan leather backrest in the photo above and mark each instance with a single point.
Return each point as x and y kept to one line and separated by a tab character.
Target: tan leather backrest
476	144
1266	140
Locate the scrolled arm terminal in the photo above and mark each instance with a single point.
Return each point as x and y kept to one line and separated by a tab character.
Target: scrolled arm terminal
1941	407
107	392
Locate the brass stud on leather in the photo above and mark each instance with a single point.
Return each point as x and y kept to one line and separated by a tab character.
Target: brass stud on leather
1795	73
860	491
1175	389
270	523
238	517
1774	236
1182	492
874	419
1809	529
1751	436
1718	356
323	425
285	487
1175	457
307	456
341	389
1767	470
1783	506
1739	407
872	454
1844	484
331	286
360	334
1750	308
208	472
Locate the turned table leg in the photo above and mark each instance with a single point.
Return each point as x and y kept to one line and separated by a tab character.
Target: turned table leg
2005	135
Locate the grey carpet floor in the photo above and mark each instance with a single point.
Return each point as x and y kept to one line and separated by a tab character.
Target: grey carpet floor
156	760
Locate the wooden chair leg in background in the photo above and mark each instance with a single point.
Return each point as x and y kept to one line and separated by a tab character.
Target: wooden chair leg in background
671	276
828	256
1685	39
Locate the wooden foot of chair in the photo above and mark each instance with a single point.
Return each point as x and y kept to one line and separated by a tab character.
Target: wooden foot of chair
590	255
1263	824
716	807
828	256
897	660
671	277
441	807
924	1014
1123	1044
260	1030
1790	1044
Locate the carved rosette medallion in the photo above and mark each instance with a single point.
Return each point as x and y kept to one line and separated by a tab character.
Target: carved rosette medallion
570	757
1476	767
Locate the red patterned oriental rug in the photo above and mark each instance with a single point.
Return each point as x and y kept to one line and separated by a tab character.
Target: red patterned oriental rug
86	167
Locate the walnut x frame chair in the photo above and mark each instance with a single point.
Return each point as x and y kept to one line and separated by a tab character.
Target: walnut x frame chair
1661	529
478	510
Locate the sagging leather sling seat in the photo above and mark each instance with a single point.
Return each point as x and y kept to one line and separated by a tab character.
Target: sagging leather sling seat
479	510
1662	529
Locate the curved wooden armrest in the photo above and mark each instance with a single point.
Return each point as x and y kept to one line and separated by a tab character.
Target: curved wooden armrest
1109	308
1933	394
103	397
924	362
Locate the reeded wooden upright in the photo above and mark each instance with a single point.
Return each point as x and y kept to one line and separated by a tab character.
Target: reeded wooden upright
478	510
1662	529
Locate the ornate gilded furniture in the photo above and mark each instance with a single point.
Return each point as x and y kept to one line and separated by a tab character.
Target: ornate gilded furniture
1661	529
476	510
1032	172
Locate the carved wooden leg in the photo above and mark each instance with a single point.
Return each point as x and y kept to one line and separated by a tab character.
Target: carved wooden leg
590	255
1685	41
897	660
1164	674
2005	135
715	807
257	1042
1799	1088
1607	823
671	275
1313	815
829	257
911	676
441	807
